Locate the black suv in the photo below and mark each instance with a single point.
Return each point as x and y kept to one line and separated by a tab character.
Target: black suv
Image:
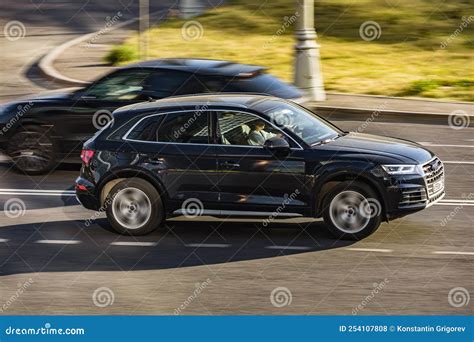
40	131
250	155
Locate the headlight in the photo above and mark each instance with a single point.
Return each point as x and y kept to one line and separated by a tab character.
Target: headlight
3	109
403	169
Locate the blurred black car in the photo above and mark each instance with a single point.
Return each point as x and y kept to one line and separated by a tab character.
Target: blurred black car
42	131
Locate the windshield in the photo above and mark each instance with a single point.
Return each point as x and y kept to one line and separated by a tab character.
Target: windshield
310	128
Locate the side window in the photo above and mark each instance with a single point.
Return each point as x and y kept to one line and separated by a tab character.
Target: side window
188	127
120	85
236	128
144	130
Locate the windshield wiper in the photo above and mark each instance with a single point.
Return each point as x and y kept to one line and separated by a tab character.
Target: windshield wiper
322	142
328	140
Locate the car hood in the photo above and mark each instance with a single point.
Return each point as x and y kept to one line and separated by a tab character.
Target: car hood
403	150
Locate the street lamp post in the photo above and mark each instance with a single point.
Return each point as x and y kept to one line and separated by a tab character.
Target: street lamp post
144	24
190	8
308	75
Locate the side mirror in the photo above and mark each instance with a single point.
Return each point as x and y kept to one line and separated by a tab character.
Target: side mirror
278	146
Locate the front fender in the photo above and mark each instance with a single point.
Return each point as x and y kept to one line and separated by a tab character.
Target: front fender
341	171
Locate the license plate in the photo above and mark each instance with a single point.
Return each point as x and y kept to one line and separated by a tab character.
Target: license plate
437	186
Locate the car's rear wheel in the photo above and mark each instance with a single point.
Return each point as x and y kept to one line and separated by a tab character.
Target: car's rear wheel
134	207
32	150
352	210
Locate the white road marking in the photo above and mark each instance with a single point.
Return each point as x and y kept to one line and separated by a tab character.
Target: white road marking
134	243
59	242
296	248
377	250
4	240
39	190
453	253
456	202
208	245
441	145
36	192
458	162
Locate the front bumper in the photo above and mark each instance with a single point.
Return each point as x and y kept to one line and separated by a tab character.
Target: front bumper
412	193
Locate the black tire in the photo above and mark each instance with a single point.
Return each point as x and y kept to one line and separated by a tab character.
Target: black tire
352	210
32	150
134	207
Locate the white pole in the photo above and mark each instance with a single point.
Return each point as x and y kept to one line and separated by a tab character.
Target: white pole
308	74
144	25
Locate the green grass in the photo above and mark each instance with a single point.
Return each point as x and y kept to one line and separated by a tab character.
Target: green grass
406	60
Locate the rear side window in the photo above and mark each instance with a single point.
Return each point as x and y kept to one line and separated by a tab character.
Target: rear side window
144	129
184	127
262	83
166	83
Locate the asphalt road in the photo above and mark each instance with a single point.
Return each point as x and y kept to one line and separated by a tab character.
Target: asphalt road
58	258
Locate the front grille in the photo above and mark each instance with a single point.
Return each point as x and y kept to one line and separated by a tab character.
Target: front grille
434	178
413	196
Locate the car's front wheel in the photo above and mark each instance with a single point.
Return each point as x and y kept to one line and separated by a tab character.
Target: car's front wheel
134	207
352	210
32	150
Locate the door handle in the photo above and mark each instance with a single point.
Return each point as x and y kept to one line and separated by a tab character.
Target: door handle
155	160
229	163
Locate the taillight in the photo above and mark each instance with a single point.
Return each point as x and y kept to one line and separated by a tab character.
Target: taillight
86	156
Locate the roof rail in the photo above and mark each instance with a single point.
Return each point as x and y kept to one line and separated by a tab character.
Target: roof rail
217	93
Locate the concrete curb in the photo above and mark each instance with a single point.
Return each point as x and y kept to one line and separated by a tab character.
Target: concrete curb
369	115
47	70
45	64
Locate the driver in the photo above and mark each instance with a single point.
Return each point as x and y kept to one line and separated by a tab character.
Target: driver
258	135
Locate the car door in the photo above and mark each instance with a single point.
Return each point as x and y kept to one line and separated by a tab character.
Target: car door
176	147
91	109
250	177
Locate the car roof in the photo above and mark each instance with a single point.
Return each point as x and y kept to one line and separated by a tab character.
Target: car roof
204	101
200	66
